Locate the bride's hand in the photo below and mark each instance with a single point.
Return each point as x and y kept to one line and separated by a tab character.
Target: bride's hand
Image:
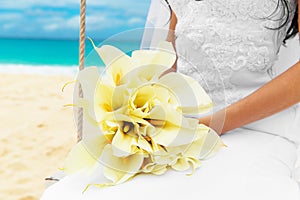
211	121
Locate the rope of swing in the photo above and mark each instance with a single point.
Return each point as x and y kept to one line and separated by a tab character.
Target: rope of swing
81	64
81	67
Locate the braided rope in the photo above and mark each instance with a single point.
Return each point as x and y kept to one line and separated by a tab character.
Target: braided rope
81	64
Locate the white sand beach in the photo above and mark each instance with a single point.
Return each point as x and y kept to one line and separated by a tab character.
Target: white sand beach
36	132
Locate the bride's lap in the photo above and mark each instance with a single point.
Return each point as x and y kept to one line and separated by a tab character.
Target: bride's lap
255	165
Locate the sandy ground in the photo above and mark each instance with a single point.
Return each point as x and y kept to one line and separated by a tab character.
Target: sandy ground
36	132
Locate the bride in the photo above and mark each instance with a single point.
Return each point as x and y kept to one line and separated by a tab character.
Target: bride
256	108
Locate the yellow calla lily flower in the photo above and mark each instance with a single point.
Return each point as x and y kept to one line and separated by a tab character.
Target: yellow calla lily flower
108	99
188	156
193	98
164	55
85	154
154	168
119	64
120	169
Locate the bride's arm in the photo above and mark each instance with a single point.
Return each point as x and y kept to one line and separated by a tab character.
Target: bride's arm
171	35
171	38
275	96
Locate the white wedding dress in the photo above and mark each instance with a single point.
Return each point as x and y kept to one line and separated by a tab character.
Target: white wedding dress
260	158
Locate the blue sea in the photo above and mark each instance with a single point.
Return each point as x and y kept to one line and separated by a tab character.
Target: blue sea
55	56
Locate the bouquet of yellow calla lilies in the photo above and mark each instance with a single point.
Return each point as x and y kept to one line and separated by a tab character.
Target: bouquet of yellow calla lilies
141	117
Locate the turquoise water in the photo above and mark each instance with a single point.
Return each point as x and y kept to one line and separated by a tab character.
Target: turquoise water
50	52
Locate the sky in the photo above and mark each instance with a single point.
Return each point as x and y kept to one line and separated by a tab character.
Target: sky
60	18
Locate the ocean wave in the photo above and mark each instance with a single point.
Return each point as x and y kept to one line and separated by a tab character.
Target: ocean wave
39	69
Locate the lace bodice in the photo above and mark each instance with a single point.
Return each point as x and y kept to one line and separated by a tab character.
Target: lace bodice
230	46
